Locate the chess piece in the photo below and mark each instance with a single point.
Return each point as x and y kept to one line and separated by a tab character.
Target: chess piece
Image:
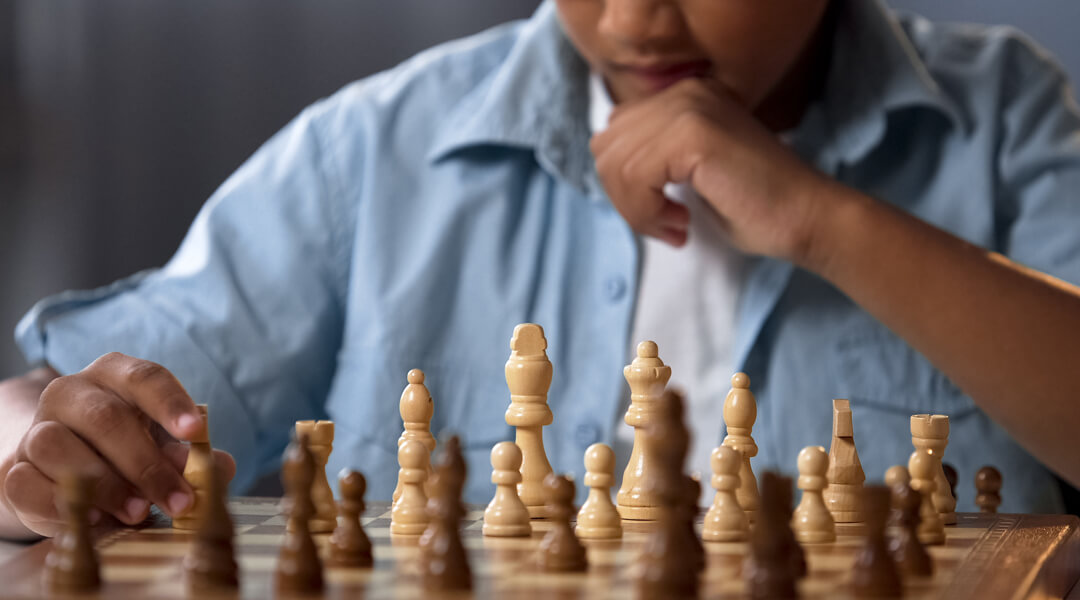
444	565
200	462
320	436
725	521
210	563
690	502
845	473
875	574
416	408
740	412
72	563
349	544
298	568
950	476
647	376
988	489
598	517
560	549
895	475
931	432
665	571
908	553
409	514
770	569
506	515
813	524
922	467
528	375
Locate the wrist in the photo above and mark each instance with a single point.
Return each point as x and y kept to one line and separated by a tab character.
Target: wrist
838	214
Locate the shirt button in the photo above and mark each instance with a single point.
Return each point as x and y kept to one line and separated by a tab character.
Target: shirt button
586	434
615	288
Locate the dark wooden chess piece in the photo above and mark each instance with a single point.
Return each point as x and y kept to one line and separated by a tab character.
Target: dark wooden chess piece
298	568
988	488
951	477
769	569
349	544
72	563
560	550
691	496
444	565
667	566
875	574
798	557
907	551
211	563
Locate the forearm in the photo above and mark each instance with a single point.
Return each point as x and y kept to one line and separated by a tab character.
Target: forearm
1008	336
18	402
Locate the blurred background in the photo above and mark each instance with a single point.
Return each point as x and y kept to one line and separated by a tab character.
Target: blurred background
118	118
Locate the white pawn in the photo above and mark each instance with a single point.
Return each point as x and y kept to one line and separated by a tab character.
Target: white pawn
812	522
921	466
409	515
726	521
506	515
598	517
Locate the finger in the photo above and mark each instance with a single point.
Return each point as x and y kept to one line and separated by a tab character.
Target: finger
117	431
675	216
54	449
150	387
32	497
177	453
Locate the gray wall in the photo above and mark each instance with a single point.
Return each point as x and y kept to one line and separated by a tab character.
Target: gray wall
119	117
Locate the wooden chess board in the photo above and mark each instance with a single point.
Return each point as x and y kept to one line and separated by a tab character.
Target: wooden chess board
985	556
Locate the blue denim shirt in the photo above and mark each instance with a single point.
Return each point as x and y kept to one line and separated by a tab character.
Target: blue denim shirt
416	216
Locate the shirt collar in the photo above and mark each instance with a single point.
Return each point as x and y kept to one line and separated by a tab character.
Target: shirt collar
538	97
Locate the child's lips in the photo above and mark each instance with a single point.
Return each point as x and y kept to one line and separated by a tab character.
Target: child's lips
658	76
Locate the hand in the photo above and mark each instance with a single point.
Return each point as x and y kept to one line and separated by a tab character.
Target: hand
768	200
117	421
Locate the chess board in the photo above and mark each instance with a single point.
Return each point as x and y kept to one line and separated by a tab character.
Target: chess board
985	556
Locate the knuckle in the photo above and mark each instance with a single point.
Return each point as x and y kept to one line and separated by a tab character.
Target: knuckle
42	443
57	390
154	477
141	372
105	416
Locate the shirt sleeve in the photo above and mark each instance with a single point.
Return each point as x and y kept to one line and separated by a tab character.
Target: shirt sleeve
248	314
1040	166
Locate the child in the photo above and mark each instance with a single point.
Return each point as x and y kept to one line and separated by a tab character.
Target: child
869	207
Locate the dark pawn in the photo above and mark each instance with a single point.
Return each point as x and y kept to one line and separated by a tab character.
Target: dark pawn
72	563
666	571
349	545
875	573
560	550
443	562
798	557
950	476
298	568
907	552
988	488
691	501
210	562
770	570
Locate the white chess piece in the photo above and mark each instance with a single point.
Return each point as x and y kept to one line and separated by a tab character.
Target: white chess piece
931	432
646	375
416	408
921	465
897	474
740	412
409	515
506	515
528	375
598	517
726	521
812	522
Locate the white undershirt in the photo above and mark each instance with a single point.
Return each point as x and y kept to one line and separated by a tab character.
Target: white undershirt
686	303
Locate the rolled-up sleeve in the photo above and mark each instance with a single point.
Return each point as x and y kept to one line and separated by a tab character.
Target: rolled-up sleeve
248	313
1040	166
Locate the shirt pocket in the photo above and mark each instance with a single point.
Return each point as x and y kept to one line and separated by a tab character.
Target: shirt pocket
367	392
873	367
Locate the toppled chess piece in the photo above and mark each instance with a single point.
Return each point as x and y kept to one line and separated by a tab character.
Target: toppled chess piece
506	515
72	563
560	549
444	565
349	544
211	562
988	489
726	521
598	517
299	569
908	553
874	574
